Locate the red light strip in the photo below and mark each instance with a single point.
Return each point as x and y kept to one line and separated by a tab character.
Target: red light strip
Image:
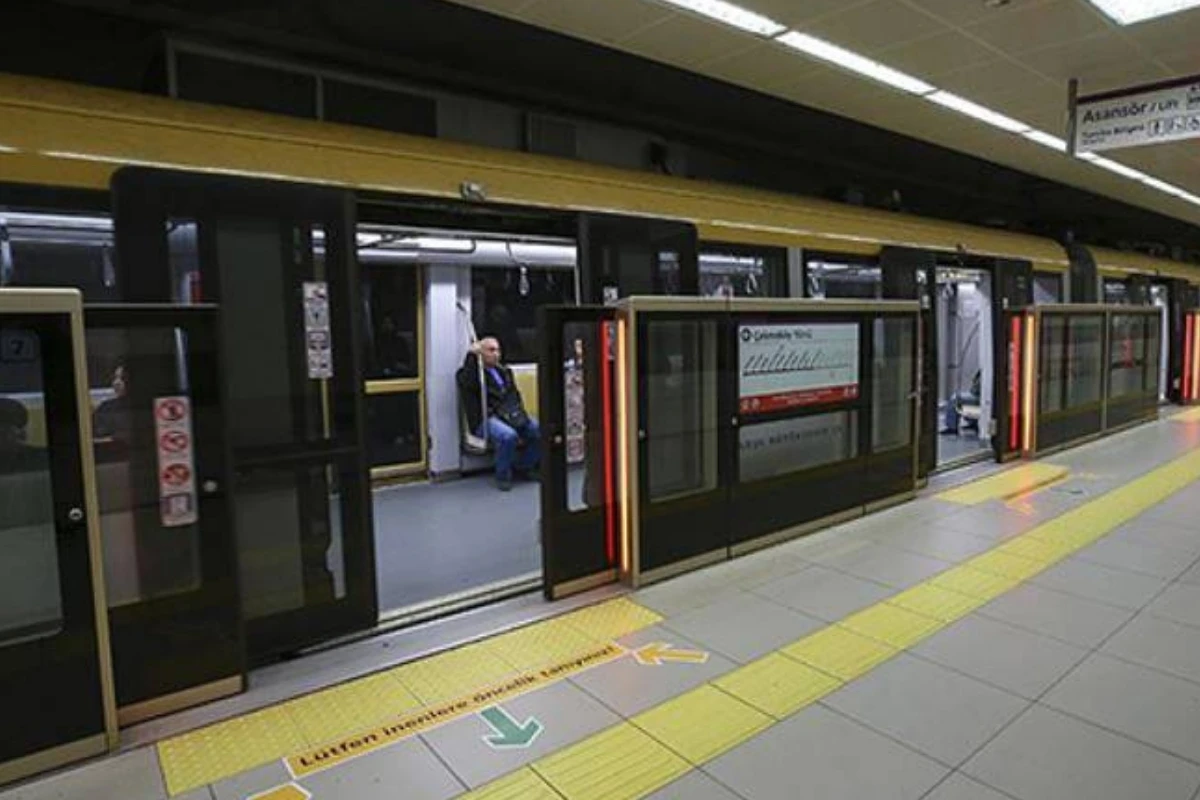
1014	386
1189	326
610	510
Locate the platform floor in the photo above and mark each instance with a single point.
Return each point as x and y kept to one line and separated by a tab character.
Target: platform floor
1031	635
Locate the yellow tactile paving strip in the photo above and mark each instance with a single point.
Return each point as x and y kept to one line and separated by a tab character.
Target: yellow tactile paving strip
1004	485
1191	415
236	745
615	764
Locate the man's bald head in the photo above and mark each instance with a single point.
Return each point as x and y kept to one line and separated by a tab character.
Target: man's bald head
489	350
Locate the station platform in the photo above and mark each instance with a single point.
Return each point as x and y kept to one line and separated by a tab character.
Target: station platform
1031	632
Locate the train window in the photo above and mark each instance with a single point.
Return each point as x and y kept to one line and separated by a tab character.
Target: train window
222	81
505	300
59	250
394	428
1132	364
734	271
830	278
373	107
391	296
1047	288
1052	379
1116	292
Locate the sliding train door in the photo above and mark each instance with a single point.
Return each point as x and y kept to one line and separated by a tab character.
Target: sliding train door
55	675
278	261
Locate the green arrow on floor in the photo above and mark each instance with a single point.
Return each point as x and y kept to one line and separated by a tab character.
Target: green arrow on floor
508	733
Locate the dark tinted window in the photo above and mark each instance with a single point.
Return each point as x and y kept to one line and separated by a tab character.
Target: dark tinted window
390	296
504	304
229	83
372	107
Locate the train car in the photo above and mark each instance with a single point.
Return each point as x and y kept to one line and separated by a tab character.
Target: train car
307	293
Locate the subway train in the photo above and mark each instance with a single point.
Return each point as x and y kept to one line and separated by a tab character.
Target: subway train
292	300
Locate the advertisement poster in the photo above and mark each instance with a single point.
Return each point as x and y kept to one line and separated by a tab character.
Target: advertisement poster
176	461
791	366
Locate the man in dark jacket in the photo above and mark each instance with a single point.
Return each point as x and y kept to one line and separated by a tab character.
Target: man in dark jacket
508	423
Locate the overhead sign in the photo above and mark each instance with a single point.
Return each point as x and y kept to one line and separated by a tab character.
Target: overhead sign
789	366
1138	116
176	461
318	336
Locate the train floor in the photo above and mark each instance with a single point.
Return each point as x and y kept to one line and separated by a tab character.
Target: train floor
1030	633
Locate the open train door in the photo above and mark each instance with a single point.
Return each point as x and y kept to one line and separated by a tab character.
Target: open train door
278	262
577	410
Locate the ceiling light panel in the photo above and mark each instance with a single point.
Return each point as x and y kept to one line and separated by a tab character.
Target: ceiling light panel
1046	140
730	14
841	57
1130	12
964	106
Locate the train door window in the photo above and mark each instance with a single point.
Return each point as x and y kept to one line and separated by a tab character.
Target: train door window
837	276
53	250
1047	288
739	271
963	312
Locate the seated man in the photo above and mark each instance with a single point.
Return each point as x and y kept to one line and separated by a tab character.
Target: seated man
954	411
507	423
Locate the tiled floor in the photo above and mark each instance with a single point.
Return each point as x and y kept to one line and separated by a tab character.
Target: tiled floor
850	664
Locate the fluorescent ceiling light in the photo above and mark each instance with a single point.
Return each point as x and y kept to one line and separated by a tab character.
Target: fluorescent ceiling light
731	14
839	56
1046	140
1129	12
964	106
1118	168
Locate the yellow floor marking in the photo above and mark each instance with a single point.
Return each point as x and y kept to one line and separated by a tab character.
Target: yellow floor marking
703	723
1047	552
289	791
941	604
620	763
1191	415
778	685
440	677
397	697
197	758
771	686
323	716
524	784
839	652
965	580
612	620
1004	485
1006	565
536	645
893	626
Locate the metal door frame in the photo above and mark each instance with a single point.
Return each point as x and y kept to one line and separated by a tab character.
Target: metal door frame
561	526
67	302
218	558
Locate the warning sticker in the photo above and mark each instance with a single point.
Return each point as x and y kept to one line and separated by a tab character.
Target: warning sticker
317	333
176	462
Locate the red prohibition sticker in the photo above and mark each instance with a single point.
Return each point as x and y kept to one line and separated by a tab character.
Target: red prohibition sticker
176	474
174	442
172	410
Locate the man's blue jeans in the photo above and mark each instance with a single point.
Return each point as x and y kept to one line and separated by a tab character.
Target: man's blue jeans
504	439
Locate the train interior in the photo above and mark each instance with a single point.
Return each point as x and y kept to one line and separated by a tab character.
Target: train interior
963	299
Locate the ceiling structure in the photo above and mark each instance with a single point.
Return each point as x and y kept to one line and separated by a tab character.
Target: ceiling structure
1014	57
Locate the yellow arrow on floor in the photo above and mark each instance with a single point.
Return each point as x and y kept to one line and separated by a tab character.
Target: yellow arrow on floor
659	653
289	791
